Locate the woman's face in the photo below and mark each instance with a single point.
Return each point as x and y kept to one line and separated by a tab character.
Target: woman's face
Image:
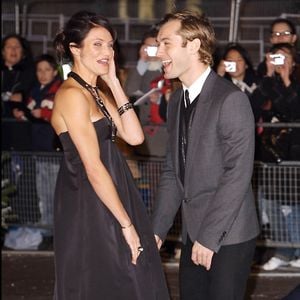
288	61
12	52
45	72
241	66
96	51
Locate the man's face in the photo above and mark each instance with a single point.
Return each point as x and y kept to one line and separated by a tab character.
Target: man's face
175	58
281	33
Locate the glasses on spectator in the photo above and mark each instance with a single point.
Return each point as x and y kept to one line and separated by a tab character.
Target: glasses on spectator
283	33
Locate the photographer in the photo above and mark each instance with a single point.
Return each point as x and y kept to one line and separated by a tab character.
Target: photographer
277	100
236	66
148	67
281	31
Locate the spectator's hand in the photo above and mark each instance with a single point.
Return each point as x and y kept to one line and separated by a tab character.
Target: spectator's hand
16	97
221	68
269	65
143	54
133	242
18	114
201	255
284	72
37	113
158	241
154	97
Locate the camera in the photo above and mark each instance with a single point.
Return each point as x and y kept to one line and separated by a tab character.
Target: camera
277	59
151	50
230	66
5	96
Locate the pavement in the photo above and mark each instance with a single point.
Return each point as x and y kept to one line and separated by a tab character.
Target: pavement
29	275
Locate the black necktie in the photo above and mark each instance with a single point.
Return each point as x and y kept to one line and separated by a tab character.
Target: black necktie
187	98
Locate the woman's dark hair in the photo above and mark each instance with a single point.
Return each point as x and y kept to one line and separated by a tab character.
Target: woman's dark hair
48	58
76	30
241	50
285	46
23	42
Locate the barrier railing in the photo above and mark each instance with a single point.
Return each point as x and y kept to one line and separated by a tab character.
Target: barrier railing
276	188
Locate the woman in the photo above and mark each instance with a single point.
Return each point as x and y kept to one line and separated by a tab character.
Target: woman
236	66
17	73
104	245
277	99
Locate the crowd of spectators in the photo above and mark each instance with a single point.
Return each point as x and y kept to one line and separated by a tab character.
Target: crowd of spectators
28	87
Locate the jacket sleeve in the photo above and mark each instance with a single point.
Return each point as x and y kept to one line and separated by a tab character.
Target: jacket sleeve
169	195
236	131
167	200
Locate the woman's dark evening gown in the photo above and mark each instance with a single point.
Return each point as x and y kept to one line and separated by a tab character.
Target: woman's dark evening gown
92	258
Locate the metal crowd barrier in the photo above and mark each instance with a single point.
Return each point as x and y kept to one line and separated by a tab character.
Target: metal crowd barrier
276	188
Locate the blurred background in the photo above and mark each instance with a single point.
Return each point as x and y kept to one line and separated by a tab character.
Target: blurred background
39	21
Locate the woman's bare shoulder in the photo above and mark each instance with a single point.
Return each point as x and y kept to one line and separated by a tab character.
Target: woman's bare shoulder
70	104
69	92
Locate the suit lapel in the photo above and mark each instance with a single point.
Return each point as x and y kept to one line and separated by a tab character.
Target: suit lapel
174	134
199	119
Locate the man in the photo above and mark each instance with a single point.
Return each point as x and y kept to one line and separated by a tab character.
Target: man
282	31
208	165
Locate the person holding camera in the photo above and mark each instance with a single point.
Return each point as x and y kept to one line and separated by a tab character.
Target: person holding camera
139	78
236	66
282	31
277	99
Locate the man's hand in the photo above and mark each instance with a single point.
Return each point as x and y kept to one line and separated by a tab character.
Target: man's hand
202	255
158	241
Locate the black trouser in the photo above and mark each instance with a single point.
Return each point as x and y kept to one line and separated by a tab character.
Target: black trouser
227	278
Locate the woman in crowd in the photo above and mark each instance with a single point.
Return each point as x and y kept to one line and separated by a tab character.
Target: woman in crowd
236	66
43	138
277	99
17	73
104	244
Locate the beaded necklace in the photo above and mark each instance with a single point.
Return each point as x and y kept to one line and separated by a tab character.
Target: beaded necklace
94	92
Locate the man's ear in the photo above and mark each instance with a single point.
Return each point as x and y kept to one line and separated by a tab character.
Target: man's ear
75	50
194	45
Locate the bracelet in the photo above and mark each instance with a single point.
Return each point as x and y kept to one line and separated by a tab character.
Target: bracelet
125	227
124	108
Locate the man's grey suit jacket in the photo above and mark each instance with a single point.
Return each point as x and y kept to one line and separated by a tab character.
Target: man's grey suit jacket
218	206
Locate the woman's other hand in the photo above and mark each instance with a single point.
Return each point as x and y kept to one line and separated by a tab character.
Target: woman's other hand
133	242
